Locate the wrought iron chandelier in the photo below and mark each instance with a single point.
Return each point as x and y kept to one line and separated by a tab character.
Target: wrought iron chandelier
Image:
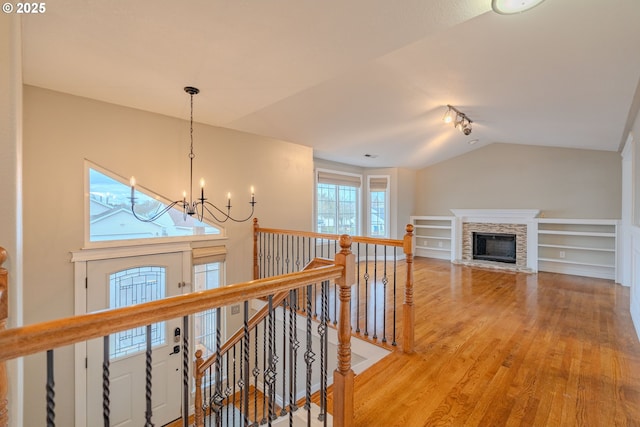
193	207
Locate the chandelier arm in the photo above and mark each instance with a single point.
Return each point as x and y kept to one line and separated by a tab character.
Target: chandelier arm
228	216
213	215
156	215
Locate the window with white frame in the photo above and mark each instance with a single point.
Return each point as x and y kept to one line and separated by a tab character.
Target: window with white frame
208	274
337	202
111	219
378	206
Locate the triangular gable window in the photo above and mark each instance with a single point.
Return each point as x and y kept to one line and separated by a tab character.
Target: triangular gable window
110	216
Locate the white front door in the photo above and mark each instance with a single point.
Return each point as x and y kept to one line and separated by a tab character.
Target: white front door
122	282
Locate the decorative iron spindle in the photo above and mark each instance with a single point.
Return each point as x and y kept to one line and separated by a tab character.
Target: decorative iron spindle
309	357
385	281
283	410
233	392
294	344
395	307
246	342
358	288
51	393
255	372
375	292
264	371
106	382
322	333
186	390
366	290
148	383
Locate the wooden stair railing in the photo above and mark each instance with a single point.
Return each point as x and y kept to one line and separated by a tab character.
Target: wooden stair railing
202	365
45	336
4	314
322	240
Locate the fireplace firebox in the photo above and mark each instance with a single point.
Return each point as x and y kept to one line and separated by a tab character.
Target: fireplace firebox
498	247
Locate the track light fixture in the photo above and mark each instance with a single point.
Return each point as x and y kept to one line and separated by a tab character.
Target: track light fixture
459	119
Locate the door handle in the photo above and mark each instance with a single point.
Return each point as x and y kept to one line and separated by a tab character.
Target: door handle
176	349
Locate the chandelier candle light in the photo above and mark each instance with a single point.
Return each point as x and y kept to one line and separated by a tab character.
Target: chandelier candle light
198	207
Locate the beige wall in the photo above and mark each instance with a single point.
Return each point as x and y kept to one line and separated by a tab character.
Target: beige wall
61	130
561	182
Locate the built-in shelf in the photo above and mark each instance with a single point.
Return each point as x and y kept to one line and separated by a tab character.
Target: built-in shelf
585	247
433	236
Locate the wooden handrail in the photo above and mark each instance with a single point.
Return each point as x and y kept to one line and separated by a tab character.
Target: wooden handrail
336	237
43	336
4	315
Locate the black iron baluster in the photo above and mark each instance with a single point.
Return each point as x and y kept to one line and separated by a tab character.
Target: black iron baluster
358	287
218	398
260	254
283	410
385	281
208	404
366	290
255	372
264	371
287	259
51	393
322	332
395	308
294	345
297	252
185	370
309	357
375	292
233	392
245	373
106	382
278	258
149	412
227	390
273	360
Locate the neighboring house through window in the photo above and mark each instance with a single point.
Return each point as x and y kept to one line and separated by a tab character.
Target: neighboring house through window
111	219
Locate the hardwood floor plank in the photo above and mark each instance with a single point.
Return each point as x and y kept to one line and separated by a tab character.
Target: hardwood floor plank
503	348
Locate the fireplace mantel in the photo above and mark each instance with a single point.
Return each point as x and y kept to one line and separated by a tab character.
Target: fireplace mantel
498	217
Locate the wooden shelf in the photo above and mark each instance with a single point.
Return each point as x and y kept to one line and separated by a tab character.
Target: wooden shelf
585	247
435	229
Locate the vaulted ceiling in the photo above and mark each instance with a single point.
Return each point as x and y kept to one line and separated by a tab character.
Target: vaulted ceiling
354	77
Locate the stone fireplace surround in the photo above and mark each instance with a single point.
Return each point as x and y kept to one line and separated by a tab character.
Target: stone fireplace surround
520	222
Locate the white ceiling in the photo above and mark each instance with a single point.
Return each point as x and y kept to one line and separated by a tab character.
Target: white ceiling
354	77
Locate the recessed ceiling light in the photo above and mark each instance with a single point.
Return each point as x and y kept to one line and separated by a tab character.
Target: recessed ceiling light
510	7
371	156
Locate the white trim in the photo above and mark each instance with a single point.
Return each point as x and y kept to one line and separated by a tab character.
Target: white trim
488	215
635	279
92	254
387	206
359	207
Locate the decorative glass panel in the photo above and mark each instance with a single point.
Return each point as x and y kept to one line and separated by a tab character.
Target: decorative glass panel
135	286
206	276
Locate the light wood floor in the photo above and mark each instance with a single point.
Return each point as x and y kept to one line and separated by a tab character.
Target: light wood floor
496	348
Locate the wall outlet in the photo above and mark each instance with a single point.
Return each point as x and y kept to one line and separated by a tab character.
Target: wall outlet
235	309
562	254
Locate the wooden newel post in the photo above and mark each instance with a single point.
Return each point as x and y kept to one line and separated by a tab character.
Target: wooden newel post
408	312
256	267
199	411
343	375
4	314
